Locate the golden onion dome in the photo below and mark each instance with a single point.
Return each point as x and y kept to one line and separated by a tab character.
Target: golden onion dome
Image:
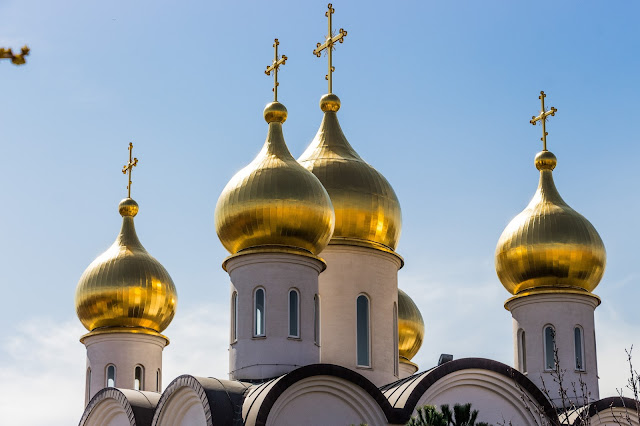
125	287
274	201
366	206
410	327
549	246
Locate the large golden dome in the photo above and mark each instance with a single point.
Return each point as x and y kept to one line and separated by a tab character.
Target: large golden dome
125	287
549	246
274	201
410	327
366	206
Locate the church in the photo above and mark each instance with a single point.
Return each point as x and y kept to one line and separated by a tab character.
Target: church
320	333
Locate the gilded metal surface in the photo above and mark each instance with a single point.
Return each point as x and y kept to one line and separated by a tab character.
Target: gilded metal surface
329	45
366	207
125	286
274	67
549	245
410	327
542	118
16	58
274	201
133	162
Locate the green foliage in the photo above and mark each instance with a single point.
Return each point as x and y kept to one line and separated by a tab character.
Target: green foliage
462	415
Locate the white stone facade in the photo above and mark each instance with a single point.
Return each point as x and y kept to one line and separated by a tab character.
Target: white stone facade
274	352
564	311
125	351
351	272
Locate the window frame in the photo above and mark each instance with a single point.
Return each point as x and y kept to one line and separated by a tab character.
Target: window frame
545	349
264	314
368	318
316	320
138	367
106	376
522	349
396	342
297	319
583	368
234	317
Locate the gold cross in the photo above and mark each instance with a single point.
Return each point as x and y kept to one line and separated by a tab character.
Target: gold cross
329	43
16	58
133	162
543	118
275	66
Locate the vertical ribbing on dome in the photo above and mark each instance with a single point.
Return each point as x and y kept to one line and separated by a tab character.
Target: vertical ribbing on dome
549	246
274	201
366	206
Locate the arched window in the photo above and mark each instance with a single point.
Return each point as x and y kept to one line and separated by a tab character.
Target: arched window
88	387
316	320
259	313
234	317
138	378
579	348
111	376
294	313
522	341
362	331
158	377
549	348
396	355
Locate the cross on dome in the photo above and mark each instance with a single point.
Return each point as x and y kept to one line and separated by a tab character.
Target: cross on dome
275	66
133	162
328	45
543	118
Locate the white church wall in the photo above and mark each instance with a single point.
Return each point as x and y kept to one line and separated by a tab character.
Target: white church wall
563	311
494	395
275	353
184	408
325	400
125	351
351	271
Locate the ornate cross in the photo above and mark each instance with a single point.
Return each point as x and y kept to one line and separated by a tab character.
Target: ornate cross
329	43
543	118
133	162
16	58
275	66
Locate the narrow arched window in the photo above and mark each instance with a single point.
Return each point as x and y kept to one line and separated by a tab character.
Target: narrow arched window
316	319
138	378
111	376
88	387
549	348
396	355
294	313
362	331
259	312
158	384
234	317
579	351
523	351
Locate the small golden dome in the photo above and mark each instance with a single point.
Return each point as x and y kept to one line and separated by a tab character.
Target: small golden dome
366	206
274	201
549	246
125	286
410	327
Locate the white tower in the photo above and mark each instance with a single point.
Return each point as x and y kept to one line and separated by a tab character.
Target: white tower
125	298
551	258
359	289
273	217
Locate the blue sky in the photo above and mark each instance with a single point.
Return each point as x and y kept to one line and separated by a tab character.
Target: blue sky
436	95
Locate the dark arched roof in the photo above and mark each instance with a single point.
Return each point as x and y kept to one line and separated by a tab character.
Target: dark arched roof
607	403
139	406
221	399
418	385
